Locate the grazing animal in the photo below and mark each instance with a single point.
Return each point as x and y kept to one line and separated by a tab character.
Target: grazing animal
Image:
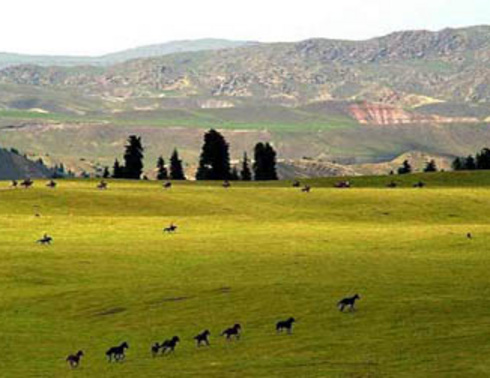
306	189
170	229
102	185
27	183
74	359
203	338
420	184
348	302
392	185
14	184
154	349
296	184
285	325
469	235
226	184
167	185
46	239
169	345
343	185
233	331
117	353
51	184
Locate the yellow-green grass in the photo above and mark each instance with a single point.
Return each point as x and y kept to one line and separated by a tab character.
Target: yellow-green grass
252	254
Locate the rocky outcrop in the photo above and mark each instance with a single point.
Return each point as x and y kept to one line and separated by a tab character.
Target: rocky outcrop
382	114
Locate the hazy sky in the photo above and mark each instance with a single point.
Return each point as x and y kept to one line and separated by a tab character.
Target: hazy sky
92	27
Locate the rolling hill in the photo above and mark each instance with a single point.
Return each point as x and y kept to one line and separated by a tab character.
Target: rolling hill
344	102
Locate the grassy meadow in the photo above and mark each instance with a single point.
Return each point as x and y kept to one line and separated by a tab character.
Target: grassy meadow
252	254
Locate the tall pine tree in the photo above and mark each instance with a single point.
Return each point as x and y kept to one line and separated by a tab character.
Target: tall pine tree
162	173
265	162
133	158
246	173
176	169
117	170
214	163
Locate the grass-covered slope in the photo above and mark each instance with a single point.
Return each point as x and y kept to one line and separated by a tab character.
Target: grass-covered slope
252	254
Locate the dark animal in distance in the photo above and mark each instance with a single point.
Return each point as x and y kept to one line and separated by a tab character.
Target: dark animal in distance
102	185
343	185
420	184
27	183
233	331
348	302
14	184
392	185
469	235
203	337
167	185
117	353
51	184
306	189
285	325
170	229
296	184
226	184
46	239
154	349
74	359
169	345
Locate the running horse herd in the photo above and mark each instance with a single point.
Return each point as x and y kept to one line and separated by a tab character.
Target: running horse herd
117	353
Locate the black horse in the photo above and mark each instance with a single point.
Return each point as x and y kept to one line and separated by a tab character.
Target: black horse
203	338
296	184
306	189
14	184
154	349
27	183
51	184
167	185
45	240
102	185
74	359
233	331
117	353
169	345
348	302
285	325
170	229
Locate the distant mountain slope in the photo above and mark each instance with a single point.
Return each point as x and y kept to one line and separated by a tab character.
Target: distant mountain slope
408	68
11	59
14	166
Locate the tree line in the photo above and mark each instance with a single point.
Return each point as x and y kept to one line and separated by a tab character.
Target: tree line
481	161
214	162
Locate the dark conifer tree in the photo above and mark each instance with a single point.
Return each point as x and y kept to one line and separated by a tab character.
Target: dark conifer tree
245	173
470	163
265	162
117	170
405	168
162	173
214	163
458	164
483	159
133	158
430	166
176	169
